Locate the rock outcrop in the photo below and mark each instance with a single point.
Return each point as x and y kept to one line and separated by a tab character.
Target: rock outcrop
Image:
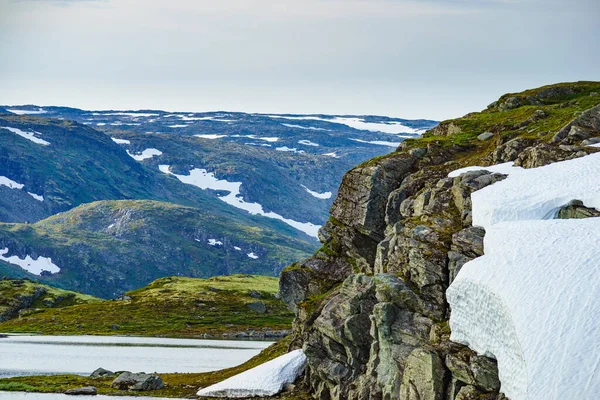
371	309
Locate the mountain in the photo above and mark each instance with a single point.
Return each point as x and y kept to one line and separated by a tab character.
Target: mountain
224	306
286	167
105	248
406	237
20	296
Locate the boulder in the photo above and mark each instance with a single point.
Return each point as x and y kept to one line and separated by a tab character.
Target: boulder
101	373
137	381
257	306
82	391
485	136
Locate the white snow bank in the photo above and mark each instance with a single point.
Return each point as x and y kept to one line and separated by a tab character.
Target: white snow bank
532	303
538	193
29	264
148	153
252	256
505	168
267	379
120	141
4	181
27	135
326	195
215	242
25	112
308	143
210	136
206	180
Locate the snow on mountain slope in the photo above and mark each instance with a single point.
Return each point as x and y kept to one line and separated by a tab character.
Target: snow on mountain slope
531	300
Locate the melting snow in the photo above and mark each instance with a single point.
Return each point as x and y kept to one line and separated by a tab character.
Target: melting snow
531	300
120	141
318	195
308	143
4	181
29	264
210	136
148	153
24	112
215	242
266	379
252	256
206	180
28	135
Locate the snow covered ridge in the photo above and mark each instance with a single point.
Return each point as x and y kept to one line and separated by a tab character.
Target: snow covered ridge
27	135
206	180
26	112
34	266
531	301
393	127
266	379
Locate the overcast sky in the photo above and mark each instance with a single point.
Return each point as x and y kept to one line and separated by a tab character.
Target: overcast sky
411	59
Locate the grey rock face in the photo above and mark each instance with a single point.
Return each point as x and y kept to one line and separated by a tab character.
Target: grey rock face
257	306
485	136
423	377
82	391
101	373
137	382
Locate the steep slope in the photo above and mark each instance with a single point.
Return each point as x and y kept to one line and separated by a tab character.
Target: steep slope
106	248
21	296
224	306
371	308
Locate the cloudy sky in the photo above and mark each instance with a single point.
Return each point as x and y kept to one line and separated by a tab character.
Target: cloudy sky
414	59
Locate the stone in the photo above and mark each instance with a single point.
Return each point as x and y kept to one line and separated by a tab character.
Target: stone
575	210
485	136
101	373
82	391
137	381
423	377
591	141
510	103
419	152
471	369
254	294
257	306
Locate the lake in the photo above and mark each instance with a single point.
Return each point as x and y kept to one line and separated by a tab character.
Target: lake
43	355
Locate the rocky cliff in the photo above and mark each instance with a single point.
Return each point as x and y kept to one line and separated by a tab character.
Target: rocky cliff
371	311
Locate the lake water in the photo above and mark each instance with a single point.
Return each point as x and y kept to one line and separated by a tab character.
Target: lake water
43	355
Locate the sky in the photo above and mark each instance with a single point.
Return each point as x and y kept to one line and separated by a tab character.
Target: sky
411	59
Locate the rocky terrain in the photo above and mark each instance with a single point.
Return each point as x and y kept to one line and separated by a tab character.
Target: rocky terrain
371	309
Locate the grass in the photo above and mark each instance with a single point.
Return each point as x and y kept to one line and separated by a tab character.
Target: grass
176	385
168	307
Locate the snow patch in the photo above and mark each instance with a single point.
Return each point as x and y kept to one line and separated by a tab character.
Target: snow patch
252	256
28	135
210	136
266	379
148	153
333	154
207	180
120	141
215	242
4	181
29	264
505	168
36	196
178	126
291	150
237	248
326	195
311	128
308	143
393	127
127	114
